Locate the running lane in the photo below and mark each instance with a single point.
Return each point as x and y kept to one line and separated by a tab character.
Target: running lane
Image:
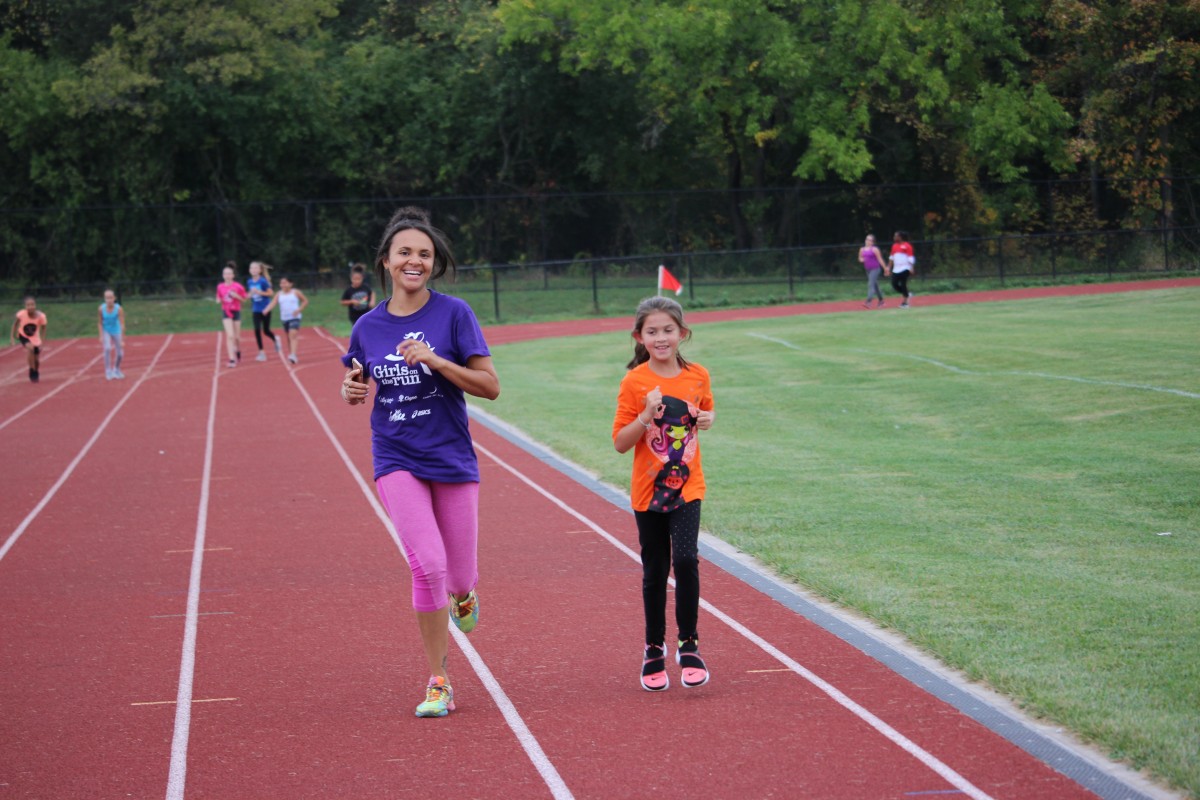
90	593
310	662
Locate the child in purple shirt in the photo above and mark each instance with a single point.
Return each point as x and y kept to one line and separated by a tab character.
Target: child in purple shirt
425	350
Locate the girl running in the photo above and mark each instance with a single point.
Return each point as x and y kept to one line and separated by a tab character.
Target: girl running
872	261
110	324
903	265
230	295
664	400
425	350
260	297
291	302
28	328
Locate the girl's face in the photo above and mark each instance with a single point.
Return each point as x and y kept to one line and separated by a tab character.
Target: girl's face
227	274
255	269
870	241
30	304
409	261
109	298
285	285
661	335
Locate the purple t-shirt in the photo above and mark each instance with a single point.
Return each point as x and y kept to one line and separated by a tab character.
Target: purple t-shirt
419	420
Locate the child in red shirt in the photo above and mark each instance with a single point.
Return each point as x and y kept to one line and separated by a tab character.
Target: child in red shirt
663	402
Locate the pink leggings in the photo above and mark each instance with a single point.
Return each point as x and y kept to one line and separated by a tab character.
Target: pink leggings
438	524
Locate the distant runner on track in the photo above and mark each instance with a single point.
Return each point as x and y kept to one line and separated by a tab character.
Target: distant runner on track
425	349
29	327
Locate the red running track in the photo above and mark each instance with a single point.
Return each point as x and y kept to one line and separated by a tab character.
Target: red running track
201	598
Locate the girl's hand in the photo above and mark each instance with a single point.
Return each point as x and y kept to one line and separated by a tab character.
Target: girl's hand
354	386
654	403
704	419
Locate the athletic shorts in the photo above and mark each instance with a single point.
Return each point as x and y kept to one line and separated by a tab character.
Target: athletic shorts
37	351
291	324
236	316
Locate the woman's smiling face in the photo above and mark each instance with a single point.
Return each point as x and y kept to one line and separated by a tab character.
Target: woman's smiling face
410	260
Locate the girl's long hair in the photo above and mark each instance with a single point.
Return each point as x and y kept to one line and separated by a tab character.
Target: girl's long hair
414	218
266	270
645	309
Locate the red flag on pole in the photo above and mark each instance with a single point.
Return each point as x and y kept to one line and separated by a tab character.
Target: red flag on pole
667	281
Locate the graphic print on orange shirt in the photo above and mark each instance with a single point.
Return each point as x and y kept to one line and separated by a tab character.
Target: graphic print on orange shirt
672	440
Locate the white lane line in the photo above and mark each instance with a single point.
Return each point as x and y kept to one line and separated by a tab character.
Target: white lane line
53	490
541	762
324	334
995	373
897	738
47	354
50	394
177	777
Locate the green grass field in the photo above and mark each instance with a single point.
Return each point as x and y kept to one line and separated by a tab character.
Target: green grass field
1011	486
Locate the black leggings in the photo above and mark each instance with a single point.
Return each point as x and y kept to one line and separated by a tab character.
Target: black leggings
900	283
262	324
665	537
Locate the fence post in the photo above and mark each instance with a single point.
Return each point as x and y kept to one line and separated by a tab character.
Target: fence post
595	290
1108	252
791	282
1000	253
691	284
496	292
308	235
1165	242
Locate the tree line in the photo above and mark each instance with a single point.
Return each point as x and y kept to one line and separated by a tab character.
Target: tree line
125	124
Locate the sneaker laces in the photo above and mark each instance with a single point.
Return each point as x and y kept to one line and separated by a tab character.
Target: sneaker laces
435	692
464	607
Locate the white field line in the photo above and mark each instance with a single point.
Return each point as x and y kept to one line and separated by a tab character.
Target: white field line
512	717
177	777
50	394
53	490
995	373
1047	375
897	738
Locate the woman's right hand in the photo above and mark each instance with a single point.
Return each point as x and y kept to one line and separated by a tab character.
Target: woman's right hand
354	388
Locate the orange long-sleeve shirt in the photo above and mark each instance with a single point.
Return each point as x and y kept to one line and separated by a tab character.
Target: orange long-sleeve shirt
666	460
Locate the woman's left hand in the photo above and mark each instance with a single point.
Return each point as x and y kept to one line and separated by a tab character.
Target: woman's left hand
704	419
416	352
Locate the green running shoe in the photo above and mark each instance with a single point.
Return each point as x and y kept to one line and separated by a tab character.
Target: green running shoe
439	698
465	612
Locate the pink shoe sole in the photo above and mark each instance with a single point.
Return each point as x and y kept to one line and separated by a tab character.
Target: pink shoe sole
656	681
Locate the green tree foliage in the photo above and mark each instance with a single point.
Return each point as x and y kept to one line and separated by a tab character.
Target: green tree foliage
782	90
1127	71
196	105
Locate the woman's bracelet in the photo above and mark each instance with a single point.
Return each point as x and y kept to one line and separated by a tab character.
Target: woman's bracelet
647	425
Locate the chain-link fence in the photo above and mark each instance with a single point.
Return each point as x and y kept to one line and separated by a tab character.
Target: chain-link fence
769	238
